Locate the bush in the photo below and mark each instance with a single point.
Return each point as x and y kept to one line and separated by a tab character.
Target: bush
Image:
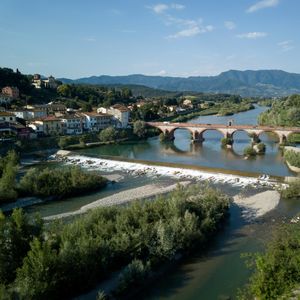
277	271
226	141
261	147
292	157
60	183
108	134
66	141
72	256
249	151
139	129
292	191
134	274
8	173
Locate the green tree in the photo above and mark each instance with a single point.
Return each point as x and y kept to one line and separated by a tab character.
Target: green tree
38	278
108	134
16	233
140	129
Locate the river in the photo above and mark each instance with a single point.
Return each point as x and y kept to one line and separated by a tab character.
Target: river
220	271
209	153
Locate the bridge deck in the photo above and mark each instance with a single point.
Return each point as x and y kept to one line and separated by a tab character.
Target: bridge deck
219	126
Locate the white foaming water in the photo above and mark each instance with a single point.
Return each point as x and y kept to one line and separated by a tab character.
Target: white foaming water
137	169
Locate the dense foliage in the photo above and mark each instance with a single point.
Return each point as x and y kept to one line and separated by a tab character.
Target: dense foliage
94	95
292	157
230	108
62	182
72	257
16	233
285	112
277	271
10	78
292	191
249	151
8	173
59	182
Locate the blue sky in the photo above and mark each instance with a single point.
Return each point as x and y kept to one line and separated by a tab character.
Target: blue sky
76	38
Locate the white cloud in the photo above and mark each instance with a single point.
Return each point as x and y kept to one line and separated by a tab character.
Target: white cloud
229	25
262	4
252	35
286	45
162	73
185	27
161	8
191	31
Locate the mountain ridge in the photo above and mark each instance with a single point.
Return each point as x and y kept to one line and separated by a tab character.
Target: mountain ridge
255	83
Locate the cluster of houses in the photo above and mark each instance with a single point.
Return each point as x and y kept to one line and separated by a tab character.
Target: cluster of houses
54	119
38	82
8	94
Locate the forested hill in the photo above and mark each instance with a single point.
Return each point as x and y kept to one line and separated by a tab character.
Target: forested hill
268	83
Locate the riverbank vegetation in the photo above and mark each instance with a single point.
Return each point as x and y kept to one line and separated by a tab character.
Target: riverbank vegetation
292	191
277	270
59	183
56	183
292	157
284	112
64	259
8	173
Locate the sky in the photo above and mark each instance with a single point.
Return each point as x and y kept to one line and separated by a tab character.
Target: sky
79	38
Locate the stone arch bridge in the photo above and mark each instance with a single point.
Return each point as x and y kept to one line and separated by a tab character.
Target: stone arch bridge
228	131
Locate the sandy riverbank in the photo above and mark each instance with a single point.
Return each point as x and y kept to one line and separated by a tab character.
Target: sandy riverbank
146	191
257	205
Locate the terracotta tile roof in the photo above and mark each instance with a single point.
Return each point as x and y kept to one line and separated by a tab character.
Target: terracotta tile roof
6	114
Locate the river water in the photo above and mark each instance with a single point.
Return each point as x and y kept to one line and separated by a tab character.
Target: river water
209	153
220	271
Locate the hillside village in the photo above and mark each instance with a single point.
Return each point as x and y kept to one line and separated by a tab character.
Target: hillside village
55	118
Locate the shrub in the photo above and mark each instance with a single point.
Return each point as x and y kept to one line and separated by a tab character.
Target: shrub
108	134
249	151
226	141
61	182
134	274
292	157
261	147
292	191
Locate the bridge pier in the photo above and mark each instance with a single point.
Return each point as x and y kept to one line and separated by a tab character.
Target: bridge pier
197	137
168	135
282	139
197	131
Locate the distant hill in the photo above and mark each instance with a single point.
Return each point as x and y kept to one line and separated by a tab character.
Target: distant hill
267	83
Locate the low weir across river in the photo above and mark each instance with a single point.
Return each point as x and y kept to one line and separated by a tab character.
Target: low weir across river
228	131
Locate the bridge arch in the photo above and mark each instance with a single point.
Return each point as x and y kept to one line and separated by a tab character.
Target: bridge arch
273	132
185	128
201	132
245	131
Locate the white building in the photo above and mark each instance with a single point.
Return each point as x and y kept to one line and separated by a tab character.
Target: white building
7	117
96	121
72	124
120	114
37	126
29	114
